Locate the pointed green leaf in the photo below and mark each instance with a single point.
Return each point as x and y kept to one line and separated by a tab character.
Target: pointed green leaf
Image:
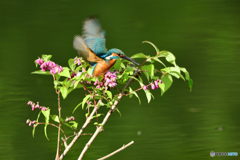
156	59
175	71
169	57
41	72
55	118
65	72
64	92
139	55
33	131
149	68
76	107
190	82
157	50
46	57
85	100
74	124
71	64
133	92
187	76
117	65
148	95
109	94
167	81
46	114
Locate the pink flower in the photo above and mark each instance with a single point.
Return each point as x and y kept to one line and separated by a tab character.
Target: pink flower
156	84
39	61
153	86
145	87
77	60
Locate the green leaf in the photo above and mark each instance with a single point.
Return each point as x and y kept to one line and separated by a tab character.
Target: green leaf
55	118
98	115
74	124
175	71
166	83
167	69
156	59
64	92
119	112
149	68
46	114
97	124
109	94
68	125
41	72
169	57
71	64
76	107
46	57
148	95
190	82
139	55
133	92
117	65
33	131
85	100
187	76
157	50
65	72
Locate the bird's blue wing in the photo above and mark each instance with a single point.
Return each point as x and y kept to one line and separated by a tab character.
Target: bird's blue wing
94	36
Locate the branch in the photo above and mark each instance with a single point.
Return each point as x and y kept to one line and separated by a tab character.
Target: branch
112	108
120	149
79	133
100	128
59	127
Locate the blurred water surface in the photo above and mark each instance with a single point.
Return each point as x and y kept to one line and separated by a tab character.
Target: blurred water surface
204	36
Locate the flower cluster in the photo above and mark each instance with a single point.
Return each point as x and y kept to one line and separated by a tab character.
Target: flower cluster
69	119
29	122
34	106
78	60
49	65
79	74
154	85
109	80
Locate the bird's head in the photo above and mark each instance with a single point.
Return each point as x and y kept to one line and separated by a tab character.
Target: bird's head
117	53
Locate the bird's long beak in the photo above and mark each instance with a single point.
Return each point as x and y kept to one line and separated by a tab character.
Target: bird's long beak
129	59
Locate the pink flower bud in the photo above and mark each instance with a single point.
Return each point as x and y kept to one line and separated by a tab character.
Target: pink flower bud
28	121
153	86
145	87
30	124
98	86
73	118
33	122
34	125
156	84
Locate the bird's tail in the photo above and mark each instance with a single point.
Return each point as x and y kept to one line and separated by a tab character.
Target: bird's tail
81	47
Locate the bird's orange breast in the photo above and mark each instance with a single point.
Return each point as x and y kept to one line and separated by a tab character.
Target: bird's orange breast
103	66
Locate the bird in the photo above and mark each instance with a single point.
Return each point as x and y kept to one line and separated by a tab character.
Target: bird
91	46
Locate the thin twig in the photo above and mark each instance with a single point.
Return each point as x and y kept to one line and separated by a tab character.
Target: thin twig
59	115
120	149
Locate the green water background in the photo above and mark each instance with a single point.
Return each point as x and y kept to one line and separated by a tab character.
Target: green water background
205	37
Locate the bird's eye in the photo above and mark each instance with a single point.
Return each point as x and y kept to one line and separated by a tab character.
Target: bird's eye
119	54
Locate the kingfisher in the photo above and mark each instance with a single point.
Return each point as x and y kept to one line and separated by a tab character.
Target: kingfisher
91	46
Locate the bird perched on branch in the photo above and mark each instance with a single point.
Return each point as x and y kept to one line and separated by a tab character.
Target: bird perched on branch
91	46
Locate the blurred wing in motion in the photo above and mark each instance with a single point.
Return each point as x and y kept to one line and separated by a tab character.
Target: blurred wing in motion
94	36
84	51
